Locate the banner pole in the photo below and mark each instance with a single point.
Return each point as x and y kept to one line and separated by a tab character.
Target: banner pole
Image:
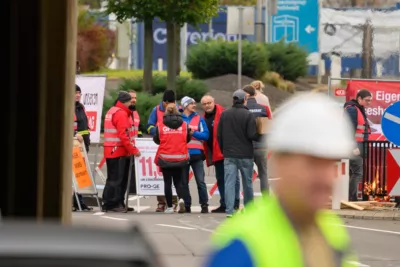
129	181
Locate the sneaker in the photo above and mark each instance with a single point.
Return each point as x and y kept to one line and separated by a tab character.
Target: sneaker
181	204
229	215
118	209
188	209
220	209
169	210
160	207
175	207
204	209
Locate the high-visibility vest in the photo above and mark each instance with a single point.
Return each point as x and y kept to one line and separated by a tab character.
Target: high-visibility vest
84	132
173	146
134	121
271	239
362	125
111	137
194	125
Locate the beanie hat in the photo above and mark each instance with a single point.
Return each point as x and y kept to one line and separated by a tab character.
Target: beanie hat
186	101
169	96
124	97
77	89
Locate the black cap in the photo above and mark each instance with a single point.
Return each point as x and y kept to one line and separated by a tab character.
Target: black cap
77	88
124	97
239	94
169	96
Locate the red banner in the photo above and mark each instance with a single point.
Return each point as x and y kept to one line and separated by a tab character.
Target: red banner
383	95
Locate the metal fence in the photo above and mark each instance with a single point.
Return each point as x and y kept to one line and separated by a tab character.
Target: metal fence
374	156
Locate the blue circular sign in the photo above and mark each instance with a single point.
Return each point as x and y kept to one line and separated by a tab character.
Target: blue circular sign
391	123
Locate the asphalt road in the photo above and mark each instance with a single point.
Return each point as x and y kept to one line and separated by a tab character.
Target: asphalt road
183	239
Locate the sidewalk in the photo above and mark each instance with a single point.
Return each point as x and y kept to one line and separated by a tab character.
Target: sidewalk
370	214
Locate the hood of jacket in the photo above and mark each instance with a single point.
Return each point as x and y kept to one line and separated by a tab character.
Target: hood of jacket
173	121
353	102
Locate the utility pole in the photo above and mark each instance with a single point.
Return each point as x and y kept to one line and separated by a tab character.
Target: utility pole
259	22
367	50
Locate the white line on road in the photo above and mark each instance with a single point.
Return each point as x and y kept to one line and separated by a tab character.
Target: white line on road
98	213
392	118
372	229
135	198
356	263
100	186
176	226
187	223
113	218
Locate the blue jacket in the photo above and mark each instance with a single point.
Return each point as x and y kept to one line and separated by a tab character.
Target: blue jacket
201	135
152	122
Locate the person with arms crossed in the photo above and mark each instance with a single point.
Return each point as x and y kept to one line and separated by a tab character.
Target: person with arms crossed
199	133
293	228
212	151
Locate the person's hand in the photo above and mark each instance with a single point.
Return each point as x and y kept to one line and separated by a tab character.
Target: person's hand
79	137
191	131
356	152
138	154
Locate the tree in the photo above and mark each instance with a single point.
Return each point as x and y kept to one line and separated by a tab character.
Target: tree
142	11
238	2
176	14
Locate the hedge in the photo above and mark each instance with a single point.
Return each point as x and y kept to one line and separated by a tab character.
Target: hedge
129	74
215	58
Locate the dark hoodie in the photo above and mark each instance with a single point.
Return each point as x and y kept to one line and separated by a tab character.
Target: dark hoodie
173	122
351	111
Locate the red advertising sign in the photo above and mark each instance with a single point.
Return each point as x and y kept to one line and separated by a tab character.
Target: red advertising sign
393	171
92	120
383	95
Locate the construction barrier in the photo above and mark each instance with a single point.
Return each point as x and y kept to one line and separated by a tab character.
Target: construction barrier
82	179
341	186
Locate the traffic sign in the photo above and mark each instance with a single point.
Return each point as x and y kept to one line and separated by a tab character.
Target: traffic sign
391	123
340	92
298	22
393	171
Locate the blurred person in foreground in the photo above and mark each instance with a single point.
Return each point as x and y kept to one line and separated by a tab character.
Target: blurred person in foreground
118	148
82	133
156	116
212	115
292	228
260	148
199	132
261	98
355	109
172	135
236	132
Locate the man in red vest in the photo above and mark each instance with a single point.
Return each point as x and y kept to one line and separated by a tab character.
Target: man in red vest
355	109
156	116
117	150
212	113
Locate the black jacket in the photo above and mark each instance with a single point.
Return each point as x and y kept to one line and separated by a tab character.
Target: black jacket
83	123
236	132
258	111
173	122
351	111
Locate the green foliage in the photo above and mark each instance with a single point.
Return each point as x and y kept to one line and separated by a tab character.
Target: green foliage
289	60
126	74
216	57
185	86
238	2
141	10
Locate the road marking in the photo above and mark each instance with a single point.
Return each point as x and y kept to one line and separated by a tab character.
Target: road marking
356	263
176	226
100	186
187	223
113	218
135	198
99	213
372	229
392	118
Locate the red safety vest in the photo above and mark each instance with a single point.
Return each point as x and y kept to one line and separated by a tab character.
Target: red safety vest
111	137
216	153
362	125
173	146
134	121
194	125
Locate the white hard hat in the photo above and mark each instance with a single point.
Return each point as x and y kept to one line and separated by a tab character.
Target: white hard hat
311	124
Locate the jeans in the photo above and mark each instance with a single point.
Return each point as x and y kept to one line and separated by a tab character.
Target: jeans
199	175
231	167
260	159
219	174
356	175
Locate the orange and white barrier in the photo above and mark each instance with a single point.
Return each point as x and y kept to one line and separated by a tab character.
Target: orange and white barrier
341	186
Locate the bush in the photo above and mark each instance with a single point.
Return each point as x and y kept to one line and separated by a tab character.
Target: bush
185	86
95	43
128	74
289	60
216	57
276	80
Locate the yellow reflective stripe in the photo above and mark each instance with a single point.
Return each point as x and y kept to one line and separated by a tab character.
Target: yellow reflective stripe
148	129
139	132
84	132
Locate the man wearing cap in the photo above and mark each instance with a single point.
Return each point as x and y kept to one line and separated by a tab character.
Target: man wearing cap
82	133
236	132
260	148
199	131
117	151
292	228
157	115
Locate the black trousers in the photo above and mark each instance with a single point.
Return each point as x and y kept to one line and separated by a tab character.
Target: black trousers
117	182
172	175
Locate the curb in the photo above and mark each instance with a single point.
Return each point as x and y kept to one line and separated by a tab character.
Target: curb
371	215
